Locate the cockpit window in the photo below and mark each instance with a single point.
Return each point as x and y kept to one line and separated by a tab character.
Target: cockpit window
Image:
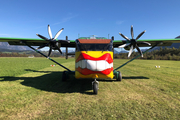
94	47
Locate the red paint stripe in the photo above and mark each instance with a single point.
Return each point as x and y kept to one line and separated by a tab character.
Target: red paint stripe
86	71
106	57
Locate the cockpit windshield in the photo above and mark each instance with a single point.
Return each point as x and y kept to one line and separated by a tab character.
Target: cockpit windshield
94	46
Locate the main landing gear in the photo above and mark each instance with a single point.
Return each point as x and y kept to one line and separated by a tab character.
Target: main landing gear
67	75
64	76
118	75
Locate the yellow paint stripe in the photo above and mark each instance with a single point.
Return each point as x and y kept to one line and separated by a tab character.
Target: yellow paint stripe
79	75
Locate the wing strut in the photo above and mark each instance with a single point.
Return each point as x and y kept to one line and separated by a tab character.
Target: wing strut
46	56
136	57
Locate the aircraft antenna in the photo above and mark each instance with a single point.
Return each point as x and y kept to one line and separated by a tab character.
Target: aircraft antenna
93	36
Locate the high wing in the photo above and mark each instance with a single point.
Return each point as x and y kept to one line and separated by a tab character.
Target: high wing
33	42
164	42
116	43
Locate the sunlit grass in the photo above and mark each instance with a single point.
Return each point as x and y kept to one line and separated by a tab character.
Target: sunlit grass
31	89
15	66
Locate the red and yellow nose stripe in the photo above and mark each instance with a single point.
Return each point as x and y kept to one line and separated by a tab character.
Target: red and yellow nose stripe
94	64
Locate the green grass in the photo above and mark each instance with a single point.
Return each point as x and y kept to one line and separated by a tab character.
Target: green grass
31	89
17	66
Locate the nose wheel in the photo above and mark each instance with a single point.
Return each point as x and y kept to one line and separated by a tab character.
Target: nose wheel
95	85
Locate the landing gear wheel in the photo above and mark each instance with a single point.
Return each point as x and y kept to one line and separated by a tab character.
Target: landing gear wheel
95	88
119	76
64	78
95	85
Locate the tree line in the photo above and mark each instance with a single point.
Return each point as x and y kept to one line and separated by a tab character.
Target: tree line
161	54
27	54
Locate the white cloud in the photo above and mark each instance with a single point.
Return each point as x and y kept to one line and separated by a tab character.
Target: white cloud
119	22
4	35
66	19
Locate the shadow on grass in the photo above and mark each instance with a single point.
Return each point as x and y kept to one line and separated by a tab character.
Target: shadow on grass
52	82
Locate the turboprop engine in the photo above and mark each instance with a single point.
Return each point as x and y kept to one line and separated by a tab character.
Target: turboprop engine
53	43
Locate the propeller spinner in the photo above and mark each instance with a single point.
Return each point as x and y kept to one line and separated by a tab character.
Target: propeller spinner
133	43
53	42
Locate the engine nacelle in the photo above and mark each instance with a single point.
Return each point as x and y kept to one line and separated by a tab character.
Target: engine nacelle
55	45
127	48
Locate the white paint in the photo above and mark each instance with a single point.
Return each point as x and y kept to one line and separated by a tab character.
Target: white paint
84	64
91	65
99	65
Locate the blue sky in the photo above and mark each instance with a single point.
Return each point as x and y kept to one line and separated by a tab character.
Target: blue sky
25	18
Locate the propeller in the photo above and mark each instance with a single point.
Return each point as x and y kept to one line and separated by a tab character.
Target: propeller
133	43
53	42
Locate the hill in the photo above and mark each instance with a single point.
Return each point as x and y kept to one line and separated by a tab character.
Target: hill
5	45
11	50
175	45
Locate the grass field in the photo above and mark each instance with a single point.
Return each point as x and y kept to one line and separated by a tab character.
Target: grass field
31	89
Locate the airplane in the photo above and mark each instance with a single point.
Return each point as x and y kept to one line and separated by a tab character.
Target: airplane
93	56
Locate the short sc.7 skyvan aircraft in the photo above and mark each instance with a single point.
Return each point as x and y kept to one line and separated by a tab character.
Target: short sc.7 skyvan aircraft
93	56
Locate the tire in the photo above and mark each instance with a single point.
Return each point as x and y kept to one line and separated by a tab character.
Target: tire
64	78
95	88
119	76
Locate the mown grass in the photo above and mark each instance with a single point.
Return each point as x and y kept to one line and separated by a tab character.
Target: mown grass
31	89
16	66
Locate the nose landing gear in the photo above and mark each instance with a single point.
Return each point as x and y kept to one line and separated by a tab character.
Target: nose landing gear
95	85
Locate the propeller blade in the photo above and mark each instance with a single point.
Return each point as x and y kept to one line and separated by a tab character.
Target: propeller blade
124	36
42	46
58	33
124	45
140	34
146	43
132	32
130	51
139	50
59	49
42	37
49	31
50	50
